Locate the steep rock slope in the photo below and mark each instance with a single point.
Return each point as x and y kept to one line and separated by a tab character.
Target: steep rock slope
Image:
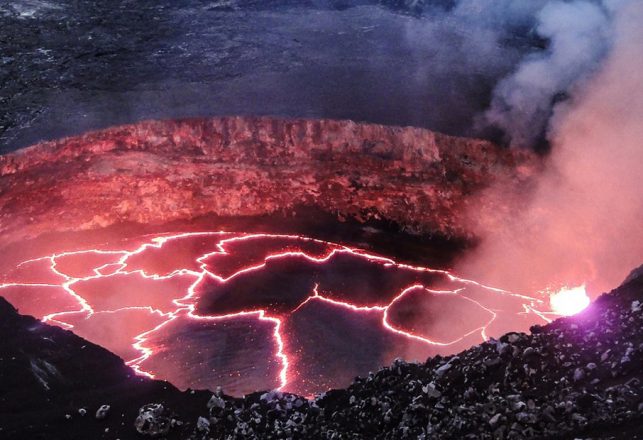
156	172
53	383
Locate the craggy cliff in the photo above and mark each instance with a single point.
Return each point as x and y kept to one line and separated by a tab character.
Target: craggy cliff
156	172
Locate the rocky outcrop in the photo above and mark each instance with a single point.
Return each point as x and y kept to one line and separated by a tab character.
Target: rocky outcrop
155	172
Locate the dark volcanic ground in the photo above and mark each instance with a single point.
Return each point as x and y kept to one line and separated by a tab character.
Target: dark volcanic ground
47	373
68	66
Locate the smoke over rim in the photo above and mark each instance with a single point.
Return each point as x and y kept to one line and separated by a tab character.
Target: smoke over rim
582	223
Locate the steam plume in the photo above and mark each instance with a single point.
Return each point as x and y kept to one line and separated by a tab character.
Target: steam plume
526	57
578	35
583	220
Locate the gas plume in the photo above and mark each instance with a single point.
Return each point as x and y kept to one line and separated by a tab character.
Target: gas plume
582	221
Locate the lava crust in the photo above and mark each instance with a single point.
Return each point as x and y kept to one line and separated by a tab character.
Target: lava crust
259	311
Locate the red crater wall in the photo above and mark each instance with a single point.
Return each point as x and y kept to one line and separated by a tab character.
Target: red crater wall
156	172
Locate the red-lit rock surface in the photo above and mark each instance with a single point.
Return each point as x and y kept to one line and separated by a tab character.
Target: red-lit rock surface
156	172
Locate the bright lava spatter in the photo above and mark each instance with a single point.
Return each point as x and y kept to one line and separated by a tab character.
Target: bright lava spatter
147	301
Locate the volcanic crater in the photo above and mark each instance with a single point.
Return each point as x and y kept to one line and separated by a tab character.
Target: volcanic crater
257	253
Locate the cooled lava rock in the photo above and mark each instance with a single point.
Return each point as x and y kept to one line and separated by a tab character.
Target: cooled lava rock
67	67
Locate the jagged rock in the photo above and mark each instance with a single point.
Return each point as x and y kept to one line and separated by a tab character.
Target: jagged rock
102	412
216	402
431	390
203	425
513	338
634	274
494	420
591	366
152	420
529	351
579	374
157	172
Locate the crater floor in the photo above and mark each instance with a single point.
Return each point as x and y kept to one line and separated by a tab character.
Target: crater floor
260	311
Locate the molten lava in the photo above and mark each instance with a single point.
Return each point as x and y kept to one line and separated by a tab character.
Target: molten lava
569	300
258	311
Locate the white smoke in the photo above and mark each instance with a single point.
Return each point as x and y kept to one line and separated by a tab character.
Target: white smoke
526	56
583	223
579	35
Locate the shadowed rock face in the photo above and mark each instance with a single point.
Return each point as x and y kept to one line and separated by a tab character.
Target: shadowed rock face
52	383
157	172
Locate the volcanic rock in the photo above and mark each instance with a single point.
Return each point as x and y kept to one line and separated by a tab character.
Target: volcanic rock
508	402
153	420
157	172
102	412
203	425
87	377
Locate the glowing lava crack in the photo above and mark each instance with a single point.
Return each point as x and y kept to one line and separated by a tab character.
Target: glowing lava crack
258	311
